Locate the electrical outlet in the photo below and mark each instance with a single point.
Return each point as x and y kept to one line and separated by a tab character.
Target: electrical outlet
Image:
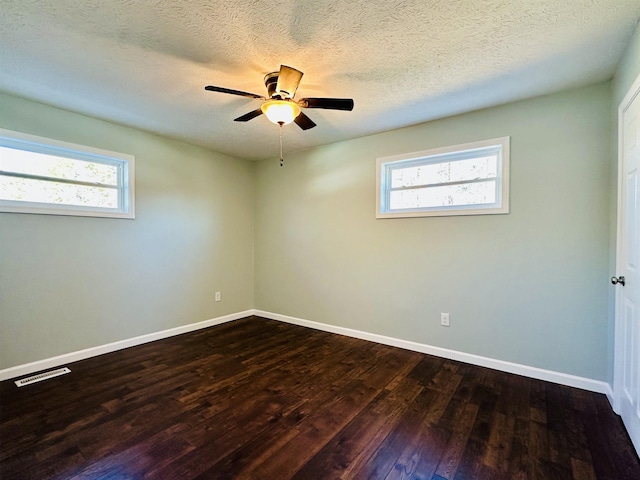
444	319
218	297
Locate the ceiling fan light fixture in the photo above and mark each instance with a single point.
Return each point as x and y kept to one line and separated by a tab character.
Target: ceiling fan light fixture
279	106
280	112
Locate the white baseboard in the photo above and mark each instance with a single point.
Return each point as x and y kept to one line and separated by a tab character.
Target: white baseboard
504	366
29	368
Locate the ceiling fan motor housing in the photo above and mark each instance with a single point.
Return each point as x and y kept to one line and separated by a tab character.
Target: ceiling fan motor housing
271	81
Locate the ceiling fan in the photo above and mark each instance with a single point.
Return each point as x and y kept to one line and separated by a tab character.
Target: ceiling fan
279	106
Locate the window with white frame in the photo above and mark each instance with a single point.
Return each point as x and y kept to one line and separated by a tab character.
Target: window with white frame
469	179
44	176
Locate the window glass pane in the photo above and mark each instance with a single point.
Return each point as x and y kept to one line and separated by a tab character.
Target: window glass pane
444	196
40	191
31	163
455	171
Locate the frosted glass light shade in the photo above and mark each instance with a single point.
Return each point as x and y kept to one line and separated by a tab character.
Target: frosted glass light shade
280	111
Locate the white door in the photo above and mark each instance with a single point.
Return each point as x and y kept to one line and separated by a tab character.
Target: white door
627	340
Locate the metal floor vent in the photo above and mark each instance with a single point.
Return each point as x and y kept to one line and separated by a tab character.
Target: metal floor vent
42	376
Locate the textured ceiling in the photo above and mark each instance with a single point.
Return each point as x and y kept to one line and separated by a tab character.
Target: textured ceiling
145	63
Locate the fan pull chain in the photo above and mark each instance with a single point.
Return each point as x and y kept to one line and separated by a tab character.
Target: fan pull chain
281	158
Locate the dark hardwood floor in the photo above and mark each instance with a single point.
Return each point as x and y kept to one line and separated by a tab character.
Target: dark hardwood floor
259	399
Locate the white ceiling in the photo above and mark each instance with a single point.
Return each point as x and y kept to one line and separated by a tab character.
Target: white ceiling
145	63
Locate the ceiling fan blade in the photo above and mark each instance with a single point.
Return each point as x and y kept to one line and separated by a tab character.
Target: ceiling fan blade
211	88
327	103
249	116
288	81
304	122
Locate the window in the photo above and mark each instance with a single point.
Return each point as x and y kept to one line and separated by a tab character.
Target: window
469	179
39	175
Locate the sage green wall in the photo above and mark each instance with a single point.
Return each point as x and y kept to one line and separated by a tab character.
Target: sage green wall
628	69
69	283
529	287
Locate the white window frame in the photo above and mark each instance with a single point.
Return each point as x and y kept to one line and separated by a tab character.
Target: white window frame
33	143
385	165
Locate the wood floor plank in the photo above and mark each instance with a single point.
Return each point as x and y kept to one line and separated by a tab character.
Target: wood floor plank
360	438
311	436
413	433
419	459
450	460
259	399
334	381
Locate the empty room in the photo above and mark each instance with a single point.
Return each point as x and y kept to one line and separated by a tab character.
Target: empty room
317	240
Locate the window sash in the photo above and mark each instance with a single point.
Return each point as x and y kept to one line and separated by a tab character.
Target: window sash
46	178
441	160
124	174
498	148
444	184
